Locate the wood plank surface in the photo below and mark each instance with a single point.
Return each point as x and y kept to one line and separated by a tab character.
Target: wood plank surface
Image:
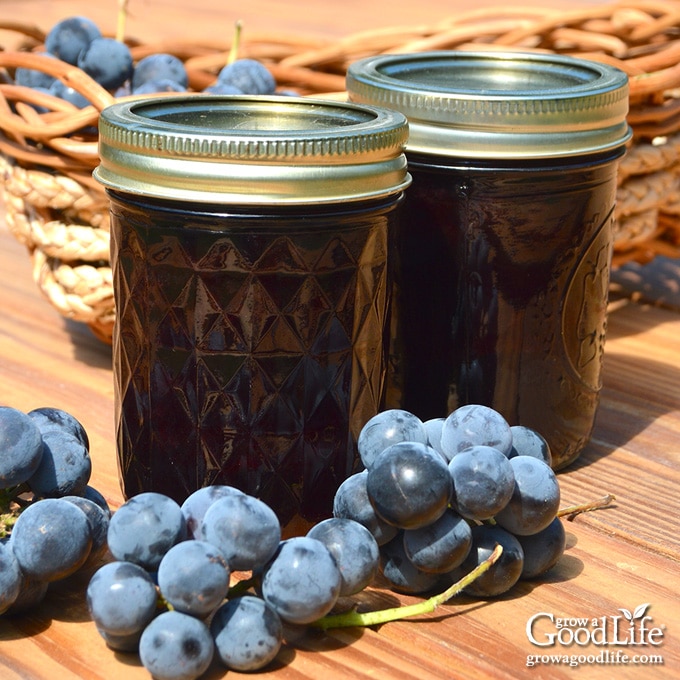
620	557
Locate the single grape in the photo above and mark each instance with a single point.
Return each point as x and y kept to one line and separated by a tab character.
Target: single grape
51	539
69	37
144	528
433	427
483	482
222	88
31	593
156	86
249	76
535	498
158	67
33	78
107	61
69	94
49	418
355	550
475	424
98	520
542	551
10	578
197	503
528	442
402	575
65	466
193	577
409	485
122	600
501	576
21	447
96	497
247	632
387	428
176	646
351	502
244	528
441	546
302	582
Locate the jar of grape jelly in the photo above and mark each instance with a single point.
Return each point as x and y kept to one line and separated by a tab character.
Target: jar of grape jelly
250	267
506	232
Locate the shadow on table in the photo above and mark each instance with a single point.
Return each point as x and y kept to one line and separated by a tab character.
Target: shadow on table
87	347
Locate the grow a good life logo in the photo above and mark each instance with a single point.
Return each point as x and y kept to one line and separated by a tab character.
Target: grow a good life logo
631	637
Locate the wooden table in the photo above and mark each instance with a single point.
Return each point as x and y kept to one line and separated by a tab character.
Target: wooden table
618	558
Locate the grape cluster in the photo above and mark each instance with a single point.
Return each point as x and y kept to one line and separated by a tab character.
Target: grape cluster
53	522
167	594
438	496
78	41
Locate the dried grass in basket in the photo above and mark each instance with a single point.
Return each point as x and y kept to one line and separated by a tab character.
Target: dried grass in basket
55	208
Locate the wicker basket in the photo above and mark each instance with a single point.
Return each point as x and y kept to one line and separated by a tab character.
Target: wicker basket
56	209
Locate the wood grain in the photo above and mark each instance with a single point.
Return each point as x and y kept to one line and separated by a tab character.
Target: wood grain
620	557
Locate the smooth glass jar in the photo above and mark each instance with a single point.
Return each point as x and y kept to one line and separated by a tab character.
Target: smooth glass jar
250	262
506	238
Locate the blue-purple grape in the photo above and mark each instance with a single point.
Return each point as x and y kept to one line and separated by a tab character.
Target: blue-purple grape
176	646
98	520
21	447
31	593
193	577
351	502
535	498
69	37
244	528
249	76
51	539
122	600
144	528
34	78
49	418
528	442
542	551
386	428
434	427
197	503
409	485
65	466
441	546
483	482
10	578
400	572
356	552
248	633
502	575
475	425
302	582
157	86
160	66
107	61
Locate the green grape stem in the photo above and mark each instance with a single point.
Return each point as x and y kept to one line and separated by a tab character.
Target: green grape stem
354	618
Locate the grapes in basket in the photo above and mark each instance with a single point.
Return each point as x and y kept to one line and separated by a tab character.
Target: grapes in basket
110	62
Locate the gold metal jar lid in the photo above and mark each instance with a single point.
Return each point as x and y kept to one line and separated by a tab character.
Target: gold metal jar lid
498	105
251	150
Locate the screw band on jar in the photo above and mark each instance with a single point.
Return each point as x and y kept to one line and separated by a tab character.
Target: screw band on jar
255	150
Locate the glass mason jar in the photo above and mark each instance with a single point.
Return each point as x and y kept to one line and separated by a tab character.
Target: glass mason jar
506	238
250	266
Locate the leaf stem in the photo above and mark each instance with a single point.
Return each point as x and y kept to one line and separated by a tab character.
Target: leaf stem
121	20
236	43
354	618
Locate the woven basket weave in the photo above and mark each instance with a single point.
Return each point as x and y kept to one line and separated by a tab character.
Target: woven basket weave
56	209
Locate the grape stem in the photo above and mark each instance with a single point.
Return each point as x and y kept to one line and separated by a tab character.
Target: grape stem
236	43
354	618
572	510
121	20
